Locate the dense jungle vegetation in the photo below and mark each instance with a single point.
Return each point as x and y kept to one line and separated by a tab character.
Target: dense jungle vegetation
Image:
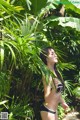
27	26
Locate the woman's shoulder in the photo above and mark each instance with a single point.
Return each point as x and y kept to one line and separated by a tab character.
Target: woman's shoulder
46	81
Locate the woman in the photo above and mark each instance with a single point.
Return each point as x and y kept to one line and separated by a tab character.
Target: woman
52	95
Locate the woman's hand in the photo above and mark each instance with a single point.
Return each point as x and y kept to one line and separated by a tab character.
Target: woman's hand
65	106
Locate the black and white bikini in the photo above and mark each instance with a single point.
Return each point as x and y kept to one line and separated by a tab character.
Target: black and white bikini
44	108
59	88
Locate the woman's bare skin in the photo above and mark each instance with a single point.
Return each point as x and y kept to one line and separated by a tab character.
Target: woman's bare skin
51	97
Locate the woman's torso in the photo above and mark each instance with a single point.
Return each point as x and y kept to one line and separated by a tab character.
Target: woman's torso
54	89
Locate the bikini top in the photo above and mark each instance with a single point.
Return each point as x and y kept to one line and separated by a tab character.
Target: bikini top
59	88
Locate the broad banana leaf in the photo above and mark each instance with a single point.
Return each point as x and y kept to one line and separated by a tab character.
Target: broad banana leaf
65	22
69	5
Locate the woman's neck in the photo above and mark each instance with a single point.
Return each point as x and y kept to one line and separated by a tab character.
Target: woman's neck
51	67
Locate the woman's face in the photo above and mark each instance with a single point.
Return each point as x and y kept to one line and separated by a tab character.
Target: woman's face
52	57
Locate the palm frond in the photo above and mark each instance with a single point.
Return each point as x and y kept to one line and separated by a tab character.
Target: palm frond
69	86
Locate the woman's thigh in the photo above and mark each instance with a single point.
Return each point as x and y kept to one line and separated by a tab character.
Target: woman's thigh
47	115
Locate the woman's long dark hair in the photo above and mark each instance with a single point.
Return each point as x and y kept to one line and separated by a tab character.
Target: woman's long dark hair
43	56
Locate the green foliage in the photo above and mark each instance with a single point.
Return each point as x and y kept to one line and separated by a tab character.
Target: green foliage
70	5
76	92
8	10
4	84
9	46
61	112
25	33
37	6
20	110
69	86
64	22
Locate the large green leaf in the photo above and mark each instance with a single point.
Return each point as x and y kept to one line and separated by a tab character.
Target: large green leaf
65	21
37	5
71	6
76	3
71	22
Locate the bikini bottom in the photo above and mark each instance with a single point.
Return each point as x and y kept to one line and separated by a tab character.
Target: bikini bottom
44	108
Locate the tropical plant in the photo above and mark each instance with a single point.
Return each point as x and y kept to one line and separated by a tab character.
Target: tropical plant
24	33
